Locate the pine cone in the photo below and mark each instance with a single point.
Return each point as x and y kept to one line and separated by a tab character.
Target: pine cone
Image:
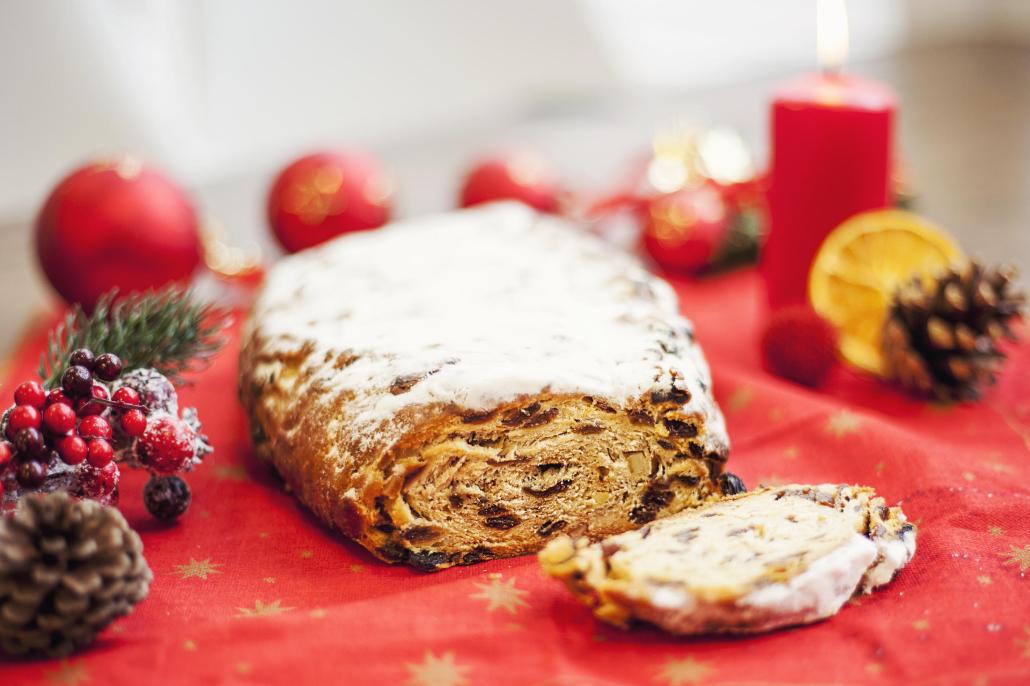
941	336
68	568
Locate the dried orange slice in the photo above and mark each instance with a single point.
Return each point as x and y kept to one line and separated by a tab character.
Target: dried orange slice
859	267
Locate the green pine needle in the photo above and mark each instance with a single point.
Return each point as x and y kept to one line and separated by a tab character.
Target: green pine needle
168	329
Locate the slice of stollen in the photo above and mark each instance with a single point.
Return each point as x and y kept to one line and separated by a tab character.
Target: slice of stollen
757	561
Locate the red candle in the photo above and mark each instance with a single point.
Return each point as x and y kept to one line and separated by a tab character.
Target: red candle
831	157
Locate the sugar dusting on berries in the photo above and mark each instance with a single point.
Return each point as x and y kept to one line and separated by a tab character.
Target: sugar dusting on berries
80	435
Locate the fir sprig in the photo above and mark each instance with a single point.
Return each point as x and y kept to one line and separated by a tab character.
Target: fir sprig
168	329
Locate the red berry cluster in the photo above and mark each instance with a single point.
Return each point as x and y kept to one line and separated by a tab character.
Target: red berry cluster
67	424
74	436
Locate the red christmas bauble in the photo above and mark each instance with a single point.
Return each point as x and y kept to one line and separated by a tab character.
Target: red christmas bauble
683	230
519	176
116	224
800	345
321	196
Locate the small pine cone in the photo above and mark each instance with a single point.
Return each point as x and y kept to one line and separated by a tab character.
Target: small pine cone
68	568
941	336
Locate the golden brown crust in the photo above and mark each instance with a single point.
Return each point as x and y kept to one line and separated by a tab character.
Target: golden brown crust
443	406
521	473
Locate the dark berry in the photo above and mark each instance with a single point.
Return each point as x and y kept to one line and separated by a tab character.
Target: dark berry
56	395
82	357
98	482
126	395
32	474
29	442
30	393
72	450
167	497
77	381
6	453
85	407
59	419
167	444
134	422
23	417
108	366
731	484
100	452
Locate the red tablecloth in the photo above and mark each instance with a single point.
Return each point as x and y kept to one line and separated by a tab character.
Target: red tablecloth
250	589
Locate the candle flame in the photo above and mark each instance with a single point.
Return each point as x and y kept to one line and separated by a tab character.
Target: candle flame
832	33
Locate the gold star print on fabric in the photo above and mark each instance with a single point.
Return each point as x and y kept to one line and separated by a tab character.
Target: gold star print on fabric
740	399
1017	428
189	645
68	675
969	476
260	609
269	579
921	624
984	580
231	472
437	671
1024	642
995	530
198	569
318	613
684	671
791	452
1018	556
307	554
842	423
999	467
244	668
500	594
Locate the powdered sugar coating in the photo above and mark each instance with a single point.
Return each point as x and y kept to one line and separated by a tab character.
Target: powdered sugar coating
476	308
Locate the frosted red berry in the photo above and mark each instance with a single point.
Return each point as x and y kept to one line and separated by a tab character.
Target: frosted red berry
108	366
167	444
126	395
56	395
30	393
82	357
59	419
6	454
31	474
134	422
77	381
72	450
94	427
85	407
100	452
24	417
97	482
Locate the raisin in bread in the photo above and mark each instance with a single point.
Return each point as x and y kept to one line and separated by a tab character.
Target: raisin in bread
770	558
467	386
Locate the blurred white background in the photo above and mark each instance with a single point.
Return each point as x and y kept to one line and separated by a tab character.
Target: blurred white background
222	92
211	88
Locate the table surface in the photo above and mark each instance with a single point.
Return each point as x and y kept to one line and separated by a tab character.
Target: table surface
964	131
251	589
